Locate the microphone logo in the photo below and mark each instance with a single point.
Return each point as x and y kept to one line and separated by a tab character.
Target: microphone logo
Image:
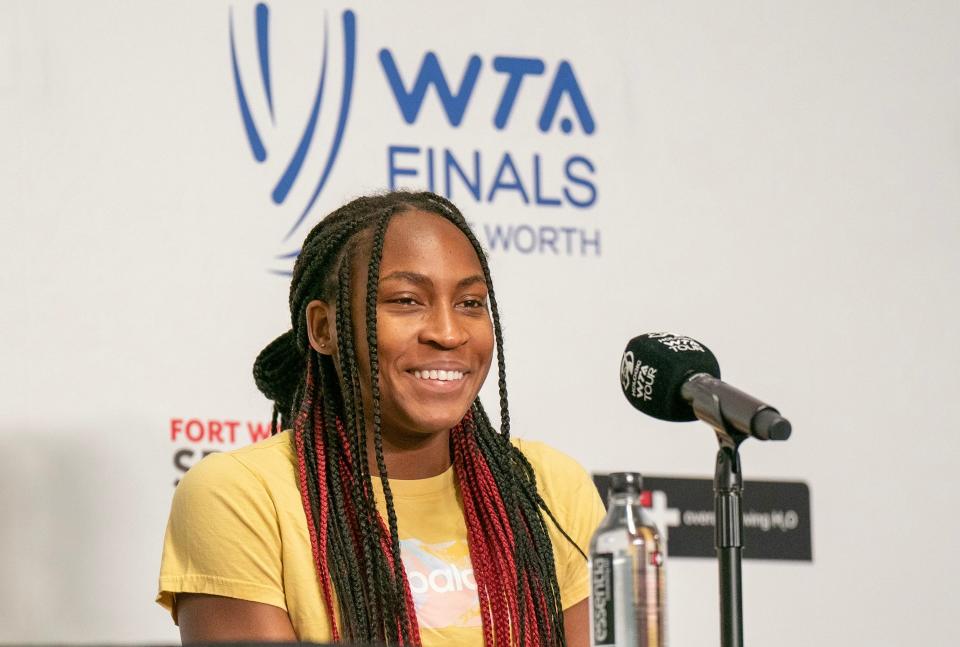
626	370
637	378
677	343
643	385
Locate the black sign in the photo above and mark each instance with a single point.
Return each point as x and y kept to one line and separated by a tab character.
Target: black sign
776	516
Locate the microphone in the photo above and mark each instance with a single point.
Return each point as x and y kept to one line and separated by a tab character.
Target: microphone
677	379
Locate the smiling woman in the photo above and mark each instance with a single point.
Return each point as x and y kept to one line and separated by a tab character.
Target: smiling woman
390	510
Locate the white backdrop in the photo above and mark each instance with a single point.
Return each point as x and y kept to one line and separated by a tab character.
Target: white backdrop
779	180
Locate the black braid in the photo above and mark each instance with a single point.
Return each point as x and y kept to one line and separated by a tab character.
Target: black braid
373	282
354	420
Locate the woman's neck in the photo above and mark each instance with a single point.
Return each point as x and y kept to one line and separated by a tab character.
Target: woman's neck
409	456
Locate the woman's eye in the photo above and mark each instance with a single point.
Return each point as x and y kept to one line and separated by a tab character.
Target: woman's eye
474	303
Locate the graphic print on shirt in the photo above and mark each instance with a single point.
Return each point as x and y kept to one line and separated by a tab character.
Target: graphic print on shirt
442	583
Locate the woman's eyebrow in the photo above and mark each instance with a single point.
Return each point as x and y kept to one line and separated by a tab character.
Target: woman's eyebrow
470	280
422	279
413	277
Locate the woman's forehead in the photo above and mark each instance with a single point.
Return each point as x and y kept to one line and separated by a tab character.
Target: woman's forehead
425	242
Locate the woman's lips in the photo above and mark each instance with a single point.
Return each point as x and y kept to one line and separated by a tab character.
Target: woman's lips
437	380
440	375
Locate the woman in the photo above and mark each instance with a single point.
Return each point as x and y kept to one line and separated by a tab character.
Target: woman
393	511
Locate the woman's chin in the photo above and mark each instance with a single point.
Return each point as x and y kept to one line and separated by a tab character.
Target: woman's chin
425	426
434	426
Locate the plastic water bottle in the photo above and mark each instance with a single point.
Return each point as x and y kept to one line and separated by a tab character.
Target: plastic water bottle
627	604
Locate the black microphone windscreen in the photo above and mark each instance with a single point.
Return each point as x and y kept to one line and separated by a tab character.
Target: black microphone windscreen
655	367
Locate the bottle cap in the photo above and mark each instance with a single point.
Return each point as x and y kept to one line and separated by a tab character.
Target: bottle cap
626	482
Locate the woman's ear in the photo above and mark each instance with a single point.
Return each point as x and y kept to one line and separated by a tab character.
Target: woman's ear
321	327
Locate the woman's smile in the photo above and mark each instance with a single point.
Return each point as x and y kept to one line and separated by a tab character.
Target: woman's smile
440	375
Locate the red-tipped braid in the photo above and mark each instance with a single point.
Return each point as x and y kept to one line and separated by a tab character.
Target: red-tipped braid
317	544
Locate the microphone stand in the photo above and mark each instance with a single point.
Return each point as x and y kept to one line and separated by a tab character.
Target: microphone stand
727	496
727	492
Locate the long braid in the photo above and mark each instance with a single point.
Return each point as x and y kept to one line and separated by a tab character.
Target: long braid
356	552
492	543
354	419
311	469
368	532
407	621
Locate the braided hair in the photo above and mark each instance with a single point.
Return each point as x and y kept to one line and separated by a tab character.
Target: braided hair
356	552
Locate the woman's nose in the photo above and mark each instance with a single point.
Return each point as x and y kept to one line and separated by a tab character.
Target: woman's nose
444	328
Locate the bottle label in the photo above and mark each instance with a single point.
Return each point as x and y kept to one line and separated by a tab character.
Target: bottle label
604	621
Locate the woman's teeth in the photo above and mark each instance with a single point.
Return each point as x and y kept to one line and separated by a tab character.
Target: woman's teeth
442	376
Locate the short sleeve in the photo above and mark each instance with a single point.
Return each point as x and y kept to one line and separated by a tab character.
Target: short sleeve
222	537
581	519
570	494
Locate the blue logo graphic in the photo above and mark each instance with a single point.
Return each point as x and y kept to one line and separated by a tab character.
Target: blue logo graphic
513	67
529	177
258	149
491	97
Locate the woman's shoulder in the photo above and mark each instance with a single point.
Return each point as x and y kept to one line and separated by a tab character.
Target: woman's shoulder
561	479
224	533
269	462
575	506
546	458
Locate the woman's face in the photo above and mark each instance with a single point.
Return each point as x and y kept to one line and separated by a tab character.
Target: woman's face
434	333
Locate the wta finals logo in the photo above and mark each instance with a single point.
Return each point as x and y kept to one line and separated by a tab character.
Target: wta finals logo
514	132
295	162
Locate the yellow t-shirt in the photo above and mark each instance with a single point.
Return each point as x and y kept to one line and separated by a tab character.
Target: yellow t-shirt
237	529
